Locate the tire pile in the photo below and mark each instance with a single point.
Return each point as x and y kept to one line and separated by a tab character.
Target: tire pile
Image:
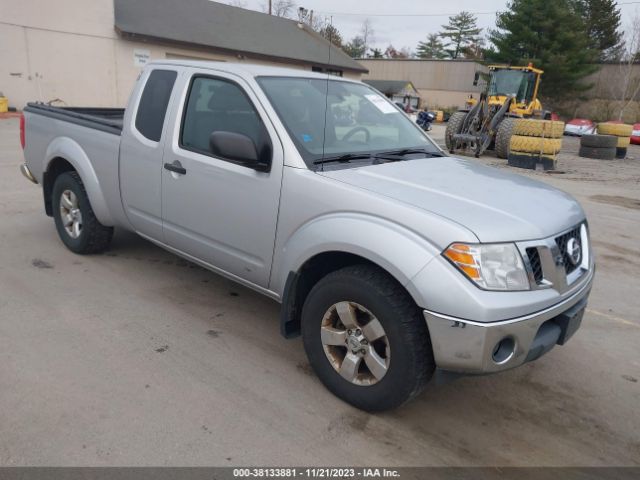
535	142
607	149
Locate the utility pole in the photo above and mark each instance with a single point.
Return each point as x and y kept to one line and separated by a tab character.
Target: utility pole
269	7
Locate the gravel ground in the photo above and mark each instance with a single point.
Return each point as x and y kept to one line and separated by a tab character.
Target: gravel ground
136	357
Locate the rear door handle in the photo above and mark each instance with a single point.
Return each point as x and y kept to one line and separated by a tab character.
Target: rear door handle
175	167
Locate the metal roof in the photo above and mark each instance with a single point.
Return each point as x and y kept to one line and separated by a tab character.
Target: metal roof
209	24
390	87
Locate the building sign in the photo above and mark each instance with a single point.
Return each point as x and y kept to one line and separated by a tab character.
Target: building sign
141	57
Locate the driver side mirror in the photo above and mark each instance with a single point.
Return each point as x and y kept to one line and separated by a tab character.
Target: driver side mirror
239	148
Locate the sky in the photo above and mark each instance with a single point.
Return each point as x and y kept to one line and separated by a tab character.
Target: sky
422	17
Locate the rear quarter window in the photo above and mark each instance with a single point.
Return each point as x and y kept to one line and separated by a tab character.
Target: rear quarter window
154	102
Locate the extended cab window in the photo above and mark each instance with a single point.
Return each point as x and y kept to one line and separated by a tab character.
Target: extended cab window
218	105
154	102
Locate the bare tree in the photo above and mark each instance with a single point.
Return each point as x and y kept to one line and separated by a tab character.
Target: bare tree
279	8
630	66
367	33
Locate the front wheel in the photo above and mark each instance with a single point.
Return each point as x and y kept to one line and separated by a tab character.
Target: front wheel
366	339
77	225
454	125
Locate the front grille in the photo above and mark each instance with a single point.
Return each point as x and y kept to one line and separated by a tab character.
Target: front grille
562	242
536	265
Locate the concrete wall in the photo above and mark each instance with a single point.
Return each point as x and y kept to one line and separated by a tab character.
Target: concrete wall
69	50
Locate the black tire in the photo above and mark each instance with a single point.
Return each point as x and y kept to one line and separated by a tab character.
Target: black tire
93	236
621	153
531	161
503	137
411	364
598	153
599	141
454	125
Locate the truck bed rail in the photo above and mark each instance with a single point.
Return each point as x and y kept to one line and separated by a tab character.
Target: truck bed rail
106	119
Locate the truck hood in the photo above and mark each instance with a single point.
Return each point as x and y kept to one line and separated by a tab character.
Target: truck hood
495	205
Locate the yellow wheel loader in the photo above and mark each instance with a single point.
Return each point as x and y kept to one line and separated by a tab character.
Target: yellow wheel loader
511	93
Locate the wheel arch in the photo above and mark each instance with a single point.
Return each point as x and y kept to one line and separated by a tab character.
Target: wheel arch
63	155
304	260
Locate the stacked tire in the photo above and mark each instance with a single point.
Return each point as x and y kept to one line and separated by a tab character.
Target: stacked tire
601	147
534	142
622	132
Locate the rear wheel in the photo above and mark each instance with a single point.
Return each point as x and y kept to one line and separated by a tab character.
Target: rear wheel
366	339
454	125
77	225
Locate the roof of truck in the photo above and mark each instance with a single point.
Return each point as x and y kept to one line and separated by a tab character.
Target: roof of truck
245	68
231	29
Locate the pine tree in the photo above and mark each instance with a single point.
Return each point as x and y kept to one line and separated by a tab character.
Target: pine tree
602	20
550	34
431	48
332	34
461	32
355	48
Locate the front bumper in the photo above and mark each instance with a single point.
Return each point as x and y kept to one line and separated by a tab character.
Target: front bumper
468	346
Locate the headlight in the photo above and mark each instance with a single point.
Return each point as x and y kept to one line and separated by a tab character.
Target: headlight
496	266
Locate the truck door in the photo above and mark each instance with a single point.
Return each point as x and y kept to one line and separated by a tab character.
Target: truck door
141	150
216	209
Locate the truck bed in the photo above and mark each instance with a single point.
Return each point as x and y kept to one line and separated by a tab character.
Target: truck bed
106	119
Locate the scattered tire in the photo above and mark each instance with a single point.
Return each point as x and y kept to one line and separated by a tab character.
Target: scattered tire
598	153
623	142
503	137
621	152
598	141
366	339
454	125
531	160
531	127
617	129
546	146
77	225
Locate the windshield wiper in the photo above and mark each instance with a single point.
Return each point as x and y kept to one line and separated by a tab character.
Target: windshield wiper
407	151
344	158
392	156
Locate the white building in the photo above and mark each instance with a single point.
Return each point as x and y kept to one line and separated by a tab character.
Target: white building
90	52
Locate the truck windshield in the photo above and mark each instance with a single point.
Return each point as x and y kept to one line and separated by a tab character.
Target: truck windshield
358	120
513	82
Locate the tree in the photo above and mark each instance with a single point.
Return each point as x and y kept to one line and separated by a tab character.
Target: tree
279	8
602	21
460	32
552	35
355	48
376	53
431	48
332	34
367	33
392	52
476	50
629	88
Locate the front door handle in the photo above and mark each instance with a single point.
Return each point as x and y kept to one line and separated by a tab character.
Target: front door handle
176	167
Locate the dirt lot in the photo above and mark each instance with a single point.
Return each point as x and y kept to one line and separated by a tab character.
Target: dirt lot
136	357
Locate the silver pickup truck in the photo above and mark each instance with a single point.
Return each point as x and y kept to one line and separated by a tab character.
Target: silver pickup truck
394	261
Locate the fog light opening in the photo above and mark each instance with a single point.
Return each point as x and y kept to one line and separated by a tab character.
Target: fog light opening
504	350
